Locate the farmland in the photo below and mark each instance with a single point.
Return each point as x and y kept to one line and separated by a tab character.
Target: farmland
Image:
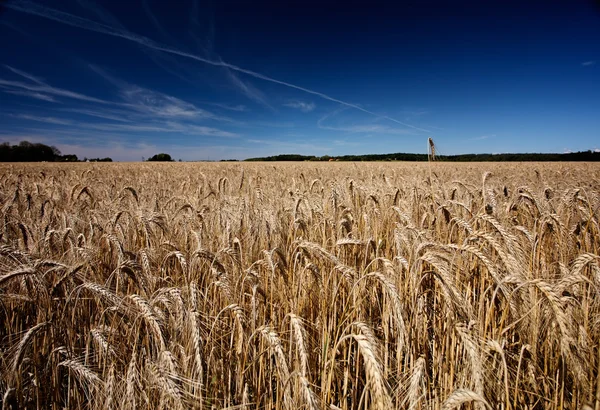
300	285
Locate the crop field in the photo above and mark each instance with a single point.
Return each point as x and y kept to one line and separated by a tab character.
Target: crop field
300	286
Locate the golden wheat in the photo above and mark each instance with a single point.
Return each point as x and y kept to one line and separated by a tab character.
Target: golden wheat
300	285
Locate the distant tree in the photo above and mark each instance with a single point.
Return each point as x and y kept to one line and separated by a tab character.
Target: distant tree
5	151
161	157
399	156
68	158
26	151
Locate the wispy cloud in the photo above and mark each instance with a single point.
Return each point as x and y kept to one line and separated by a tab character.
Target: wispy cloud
164	61
360	128
482	137
154	103
100	12
37	87
368	129
588	63
301	105
150	102
155	22
107	114
416	113
271	124
169	127
141	100
26	75
237	108
410	114
76	21
247	89
138	111
32	94
45	89
47	120
159	127
209	132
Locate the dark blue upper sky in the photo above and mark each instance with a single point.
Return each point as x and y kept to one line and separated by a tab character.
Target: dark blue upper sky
237	79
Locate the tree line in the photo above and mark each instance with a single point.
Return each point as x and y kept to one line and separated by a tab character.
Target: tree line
26	151
588	156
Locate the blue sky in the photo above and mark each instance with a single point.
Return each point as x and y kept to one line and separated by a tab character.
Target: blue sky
237	79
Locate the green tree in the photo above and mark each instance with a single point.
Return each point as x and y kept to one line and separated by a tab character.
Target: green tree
161	157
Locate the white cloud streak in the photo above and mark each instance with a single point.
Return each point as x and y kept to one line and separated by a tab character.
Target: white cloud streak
153	103
101	13
32	94
44	89
482	137
369	129
47	120
361	128
141	110
76	21
28	76
237	108
168	127
301	105
247	89
137	100
114	115
588	63
141	100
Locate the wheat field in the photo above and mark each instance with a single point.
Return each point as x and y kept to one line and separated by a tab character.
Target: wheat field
300	286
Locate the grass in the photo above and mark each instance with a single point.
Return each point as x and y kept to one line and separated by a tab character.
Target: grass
300	285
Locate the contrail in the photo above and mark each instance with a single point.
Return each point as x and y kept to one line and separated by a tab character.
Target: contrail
25	75
83	23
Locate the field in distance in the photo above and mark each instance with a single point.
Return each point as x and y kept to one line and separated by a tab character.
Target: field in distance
300	285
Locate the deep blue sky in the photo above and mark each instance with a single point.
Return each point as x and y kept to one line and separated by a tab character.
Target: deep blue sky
236	79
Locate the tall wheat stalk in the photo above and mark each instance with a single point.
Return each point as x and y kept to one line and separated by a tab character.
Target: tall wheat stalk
300	285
